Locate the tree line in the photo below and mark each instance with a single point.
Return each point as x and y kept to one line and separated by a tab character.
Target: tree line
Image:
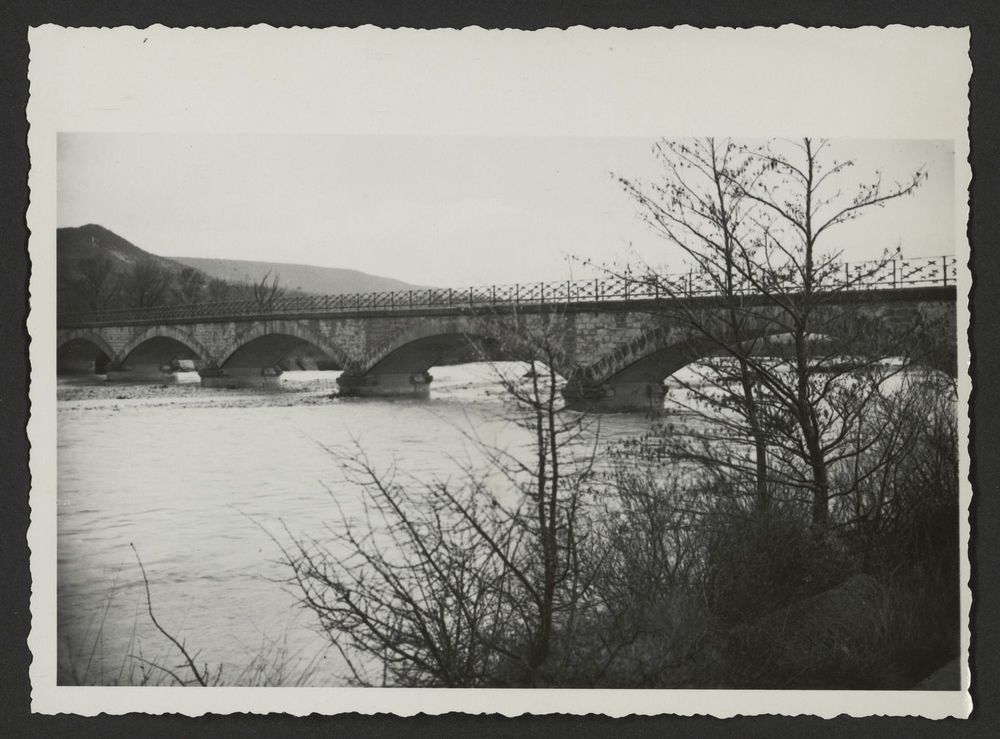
103	282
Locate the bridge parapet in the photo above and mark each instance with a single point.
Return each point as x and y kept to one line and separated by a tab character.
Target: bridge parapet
620	289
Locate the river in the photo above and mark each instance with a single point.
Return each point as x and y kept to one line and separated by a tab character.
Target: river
205	484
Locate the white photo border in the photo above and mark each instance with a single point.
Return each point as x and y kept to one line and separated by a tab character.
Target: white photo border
895	82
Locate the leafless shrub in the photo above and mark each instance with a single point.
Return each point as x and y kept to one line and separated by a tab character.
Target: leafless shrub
491	582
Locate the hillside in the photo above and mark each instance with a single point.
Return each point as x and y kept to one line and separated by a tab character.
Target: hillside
303	277
74	245
97	270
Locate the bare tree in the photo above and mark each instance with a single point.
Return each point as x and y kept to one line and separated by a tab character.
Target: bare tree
750	219
148	284
489	583
190	285
219	290
97	284
266	292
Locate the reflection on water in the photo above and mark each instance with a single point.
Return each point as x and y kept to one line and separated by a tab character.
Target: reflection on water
201	480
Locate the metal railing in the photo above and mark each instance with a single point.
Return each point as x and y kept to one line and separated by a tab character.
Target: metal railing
881	274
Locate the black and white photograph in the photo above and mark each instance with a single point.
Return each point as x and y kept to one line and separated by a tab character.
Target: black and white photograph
670	409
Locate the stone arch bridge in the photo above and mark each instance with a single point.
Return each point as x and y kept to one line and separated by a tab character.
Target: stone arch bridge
613	348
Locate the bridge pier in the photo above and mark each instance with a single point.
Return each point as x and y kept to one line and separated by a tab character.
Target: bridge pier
615	397
388	385
141	373
267	378
73	366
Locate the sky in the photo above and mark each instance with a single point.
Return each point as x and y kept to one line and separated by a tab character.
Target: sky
443	211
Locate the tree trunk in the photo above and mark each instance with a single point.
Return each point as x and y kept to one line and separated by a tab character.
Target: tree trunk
762	496
821	486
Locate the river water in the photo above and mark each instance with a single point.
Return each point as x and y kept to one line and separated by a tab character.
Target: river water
206	484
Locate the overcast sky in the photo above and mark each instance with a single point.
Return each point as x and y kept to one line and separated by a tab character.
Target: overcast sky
446	211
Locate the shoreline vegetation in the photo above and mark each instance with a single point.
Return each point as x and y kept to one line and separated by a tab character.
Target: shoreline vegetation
718	595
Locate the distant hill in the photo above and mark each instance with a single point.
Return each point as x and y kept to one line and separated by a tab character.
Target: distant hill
97	269
74	245
303	277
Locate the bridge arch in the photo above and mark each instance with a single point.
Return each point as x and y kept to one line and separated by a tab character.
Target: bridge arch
82	350
266	344
160	345
631	373
424	345
631	376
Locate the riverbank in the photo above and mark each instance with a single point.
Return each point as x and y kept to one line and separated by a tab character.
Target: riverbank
92	392
474	383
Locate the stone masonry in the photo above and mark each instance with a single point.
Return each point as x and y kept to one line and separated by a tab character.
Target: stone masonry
612	355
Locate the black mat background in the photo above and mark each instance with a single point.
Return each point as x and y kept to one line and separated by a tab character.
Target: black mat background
17	15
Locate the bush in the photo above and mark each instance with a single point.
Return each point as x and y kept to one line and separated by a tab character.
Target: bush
831	640
757	562
865	633
648	577
898	506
